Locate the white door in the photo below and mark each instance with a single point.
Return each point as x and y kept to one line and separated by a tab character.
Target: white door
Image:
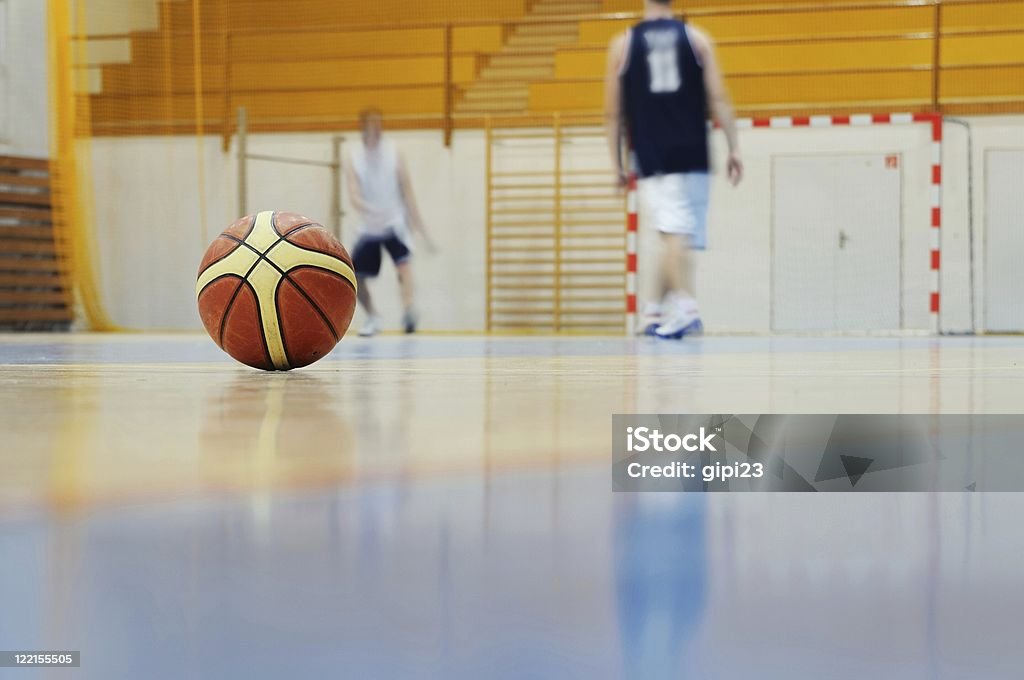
836	243
1004	240
803	286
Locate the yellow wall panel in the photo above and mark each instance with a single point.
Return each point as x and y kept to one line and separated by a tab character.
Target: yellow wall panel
983	15
482	39
704	5
546	97
895	21
339	44
621	6
824	89
590	63
999	48
464	69
332	74
817	24
126	79
983	82
581	63
795	91
825	55
268	106
274	13
601	32
349	103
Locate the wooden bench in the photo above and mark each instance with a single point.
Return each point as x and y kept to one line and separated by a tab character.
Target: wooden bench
33	293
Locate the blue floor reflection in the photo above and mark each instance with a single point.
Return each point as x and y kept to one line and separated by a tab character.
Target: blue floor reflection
661	581
542	574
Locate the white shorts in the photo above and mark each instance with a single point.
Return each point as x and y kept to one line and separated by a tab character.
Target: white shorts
677	204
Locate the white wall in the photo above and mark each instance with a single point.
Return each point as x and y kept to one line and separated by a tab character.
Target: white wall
995	132
734	275
151	233
148	216
23	83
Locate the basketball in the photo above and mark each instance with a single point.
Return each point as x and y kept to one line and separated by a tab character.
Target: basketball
276	291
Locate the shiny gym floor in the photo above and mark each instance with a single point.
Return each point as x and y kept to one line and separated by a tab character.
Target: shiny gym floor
435	507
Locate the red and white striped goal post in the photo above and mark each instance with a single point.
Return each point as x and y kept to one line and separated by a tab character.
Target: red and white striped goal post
783	122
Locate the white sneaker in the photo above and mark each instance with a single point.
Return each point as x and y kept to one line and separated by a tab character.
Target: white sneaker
369	328
678	329
409	321
684	320
652	318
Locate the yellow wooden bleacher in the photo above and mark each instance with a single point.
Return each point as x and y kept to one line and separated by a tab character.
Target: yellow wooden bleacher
308	59
880	57
318	62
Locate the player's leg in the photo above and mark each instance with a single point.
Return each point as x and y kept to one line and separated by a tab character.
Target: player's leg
680	206
366	262
648	191
659	289
405	280
402	257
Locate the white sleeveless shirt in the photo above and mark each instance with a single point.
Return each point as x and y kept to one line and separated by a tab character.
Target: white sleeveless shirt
377	173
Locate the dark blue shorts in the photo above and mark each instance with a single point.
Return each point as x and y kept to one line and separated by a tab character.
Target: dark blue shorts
366	256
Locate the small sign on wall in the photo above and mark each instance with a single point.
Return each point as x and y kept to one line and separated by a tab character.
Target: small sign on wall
892	161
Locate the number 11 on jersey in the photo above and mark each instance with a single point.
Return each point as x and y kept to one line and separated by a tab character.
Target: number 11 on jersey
664	67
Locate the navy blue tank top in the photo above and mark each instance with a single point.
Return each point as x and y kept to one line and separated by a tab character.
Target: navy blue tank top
664	100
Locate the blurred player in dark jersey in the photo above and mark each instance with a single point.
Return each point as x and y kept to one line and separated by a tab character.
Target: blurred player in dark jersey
662	81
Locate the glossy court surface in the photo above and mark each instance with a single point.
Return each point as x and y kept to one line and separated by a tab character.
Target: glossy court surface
442	507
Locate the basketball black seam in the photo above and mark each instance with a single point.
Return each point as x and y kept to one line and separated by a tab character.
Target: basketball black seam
213	281
229	237
252	225
285	274
280	321
325	271
313	304
313	250
259	322
300	225
245	279
223	321
262	257
225	255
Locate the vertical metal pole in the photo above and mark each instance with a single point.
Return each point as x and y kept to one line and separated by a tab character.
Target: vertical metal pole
226	132
970	218
243	151
937	57
336	143
448	86
558	222
632	226
488	189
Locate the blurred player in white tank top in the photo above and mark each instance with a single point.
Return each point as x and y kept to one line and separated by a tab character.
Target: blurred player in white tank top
380	190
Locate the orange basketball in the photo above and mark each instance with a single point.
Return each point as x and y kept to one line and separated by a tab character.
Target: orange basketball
276	291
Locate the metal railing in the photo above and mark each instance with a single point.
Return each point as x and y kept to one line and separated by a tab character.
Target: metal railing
244	157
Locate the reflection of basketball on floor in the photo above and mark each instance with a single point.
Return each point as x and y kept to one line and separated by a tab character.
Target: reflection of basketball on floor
276	291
